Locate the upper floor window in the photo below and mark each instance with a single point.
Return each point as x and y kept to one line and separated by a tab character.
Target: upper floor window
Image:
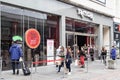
102	2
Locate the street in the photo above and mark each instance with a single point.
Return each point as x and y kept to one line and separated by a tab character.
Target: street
96	70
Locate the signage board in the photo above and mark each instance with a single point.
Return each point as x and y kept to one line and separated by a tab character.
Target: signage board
32	38
50	50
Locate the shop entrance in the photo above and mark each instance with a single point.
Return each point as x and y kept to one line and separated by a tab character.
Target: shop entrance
81	40
80	33
76	41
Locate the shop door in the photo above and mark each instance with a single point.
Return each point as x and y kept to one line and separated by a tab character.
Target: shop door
71	41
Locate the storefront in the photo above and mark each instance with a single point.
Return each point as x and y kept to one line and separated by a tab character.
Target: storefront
117	37
80	34
66	24
15	21
86	28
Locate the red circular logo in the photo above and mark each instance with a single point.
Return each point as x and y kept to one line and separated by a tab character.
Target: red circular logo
32	38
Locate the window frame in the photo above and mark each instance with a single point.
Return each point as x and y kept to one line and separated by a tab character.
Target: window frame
101	2
104	2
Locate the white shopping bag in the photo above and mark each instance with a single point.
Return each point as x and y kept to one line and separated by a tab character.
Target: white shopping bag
76	62
20	59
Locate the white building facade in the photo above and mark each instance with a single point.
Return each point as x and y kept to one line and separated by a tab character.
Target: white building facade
73	23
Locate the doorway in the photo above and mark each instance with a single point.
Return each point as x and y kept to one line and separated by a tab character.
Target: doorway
76	42
81	41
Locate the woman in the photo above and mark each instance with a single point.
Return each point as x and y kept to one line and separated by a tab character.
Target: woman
61	55
68	59
104	54
82	58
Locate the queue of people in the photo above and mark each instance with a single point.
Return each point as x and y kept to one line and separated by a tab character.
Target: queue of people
83	53
65	56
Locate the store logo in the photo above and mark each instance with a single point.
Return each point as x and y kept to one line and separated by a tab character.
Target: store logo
84	13
32	38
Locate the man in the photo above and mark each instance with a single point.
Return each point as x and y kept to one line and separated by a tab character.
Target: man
113	53
15	54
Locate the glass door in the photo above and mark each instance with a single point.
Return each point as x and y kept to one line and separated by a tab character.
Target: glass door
71	41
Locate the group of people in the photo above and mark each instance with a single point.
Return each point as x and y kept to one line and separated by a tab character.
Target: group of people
64	54
65	59
113	54
83	53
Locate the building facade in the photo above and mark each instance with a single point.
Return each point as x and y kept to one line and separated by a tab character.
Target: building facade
65	23
116	27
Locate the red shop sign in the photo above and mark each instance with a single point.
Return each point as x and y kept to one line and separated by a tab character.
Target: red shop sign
32	38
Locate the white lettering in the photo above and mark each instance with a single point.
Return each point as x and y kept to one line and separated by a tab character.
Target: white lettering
84	13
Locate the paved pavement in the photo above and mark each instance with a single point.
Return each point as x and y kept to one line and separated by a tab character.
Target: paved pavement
96	70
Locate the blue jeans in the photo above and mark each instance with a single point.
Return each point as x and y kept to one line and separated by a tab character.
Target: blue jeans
68	66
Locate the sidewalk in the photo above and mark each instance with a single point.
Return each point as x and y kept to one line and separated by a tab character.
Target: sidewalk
96	71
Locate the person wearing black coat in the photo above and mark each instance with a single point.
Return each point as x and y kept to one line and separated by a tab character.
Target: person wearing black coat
68	60
104	54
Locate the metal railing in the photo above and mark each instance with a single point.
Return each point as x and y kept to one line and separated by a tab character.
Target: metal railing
0	65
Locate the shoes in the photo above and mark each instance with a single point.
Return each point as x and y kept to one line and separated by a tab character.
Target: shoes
58	71
83	66
69	73
17	72
56	65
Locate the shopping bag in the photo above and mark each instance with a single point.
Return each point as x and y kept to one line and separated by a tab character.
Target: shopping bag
20	59
76	62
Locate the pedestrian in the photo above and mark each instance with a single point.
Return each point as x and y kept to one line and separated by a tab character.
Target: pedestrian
113	53
91	51
77	57
61	55
68	59
104	54
82	58
15	54
57	56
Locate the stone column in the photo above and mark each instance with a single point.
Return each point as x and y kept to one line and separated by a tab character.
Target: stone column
100	38
62	31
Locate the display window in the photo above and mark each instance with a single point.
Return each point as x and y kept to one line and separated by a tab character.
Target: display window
80	34
16	21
